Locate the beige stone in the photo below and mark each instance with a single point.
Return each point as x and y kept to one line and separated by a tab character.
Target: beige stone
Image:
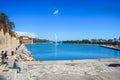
6	40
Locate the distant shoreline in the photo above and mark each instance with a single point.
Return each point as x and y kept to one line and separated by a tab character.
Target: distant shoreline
105	46
111	47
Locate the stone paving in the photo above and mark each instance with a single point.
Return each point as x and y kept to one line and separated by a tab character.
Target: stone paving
95	70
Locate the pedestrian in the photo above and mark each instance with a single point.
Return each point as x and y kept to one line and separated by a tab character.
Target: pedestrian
6	55
16	65
2	56
12	53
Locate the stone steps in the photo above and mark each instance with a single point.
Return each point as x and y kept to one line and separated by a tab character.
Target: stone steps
2	66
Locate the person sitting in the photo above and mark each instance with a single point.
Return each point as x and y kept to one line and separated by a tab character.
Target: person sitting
15	65
6	55
13	56
12	53
2	56
5	61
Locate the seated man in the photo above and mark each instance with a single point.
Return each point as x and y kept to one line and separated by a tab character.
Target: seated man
15	65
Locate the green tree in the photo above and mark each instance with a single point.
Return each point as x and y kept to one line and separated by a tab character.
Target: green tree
5	20
11	25
119	39
93	41
119	42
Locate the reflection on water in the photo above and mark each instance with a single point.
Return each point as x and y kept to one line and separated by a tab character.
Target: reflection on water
56	50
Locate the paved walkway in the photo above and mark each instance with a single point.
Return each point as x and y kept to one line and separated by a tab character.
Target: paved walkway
105	69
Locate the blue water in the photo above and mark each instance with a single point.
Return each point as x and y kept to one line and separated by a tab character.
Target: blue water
70	52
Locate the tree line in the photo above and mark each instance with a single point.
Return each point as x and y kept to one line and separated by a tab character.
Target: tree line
36	40
115	41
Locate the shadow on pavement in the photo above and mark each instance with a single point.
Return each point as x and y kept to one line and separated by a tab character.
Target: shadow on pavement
114	65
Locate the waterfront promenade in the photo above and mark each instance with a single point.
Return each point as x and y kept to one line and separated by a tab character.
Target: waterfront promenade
97	69
104	69
111	47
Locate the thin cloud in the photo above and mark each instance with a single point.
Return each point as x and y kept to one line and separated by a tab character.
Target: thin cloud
29	34
56	12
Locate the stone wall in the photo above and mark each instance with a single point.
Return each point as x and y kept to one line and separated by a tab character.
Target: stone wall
6	40
27	41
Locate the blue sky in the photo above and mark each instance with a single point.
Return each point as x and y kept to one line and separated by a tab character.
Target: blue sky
68	19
